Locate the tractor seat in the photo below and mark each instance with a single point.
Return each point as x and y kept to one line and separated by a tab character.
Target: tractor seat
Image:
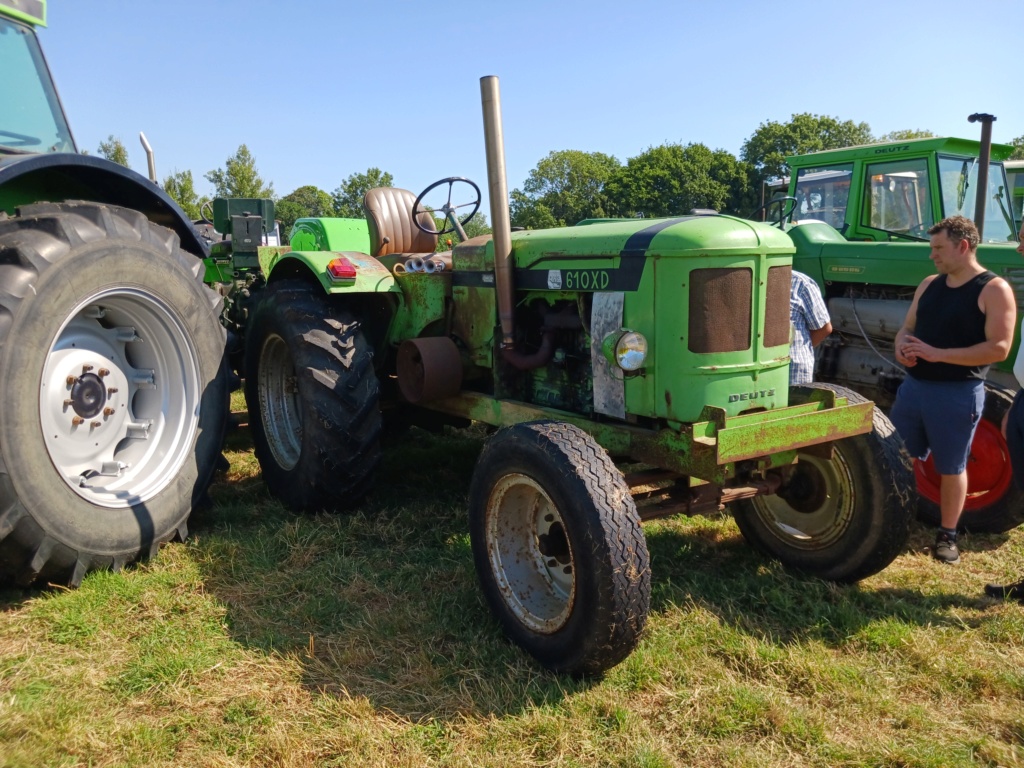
389	216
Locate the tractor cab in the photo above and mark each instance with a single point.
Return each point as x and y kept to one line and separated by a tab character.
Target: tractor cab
38	125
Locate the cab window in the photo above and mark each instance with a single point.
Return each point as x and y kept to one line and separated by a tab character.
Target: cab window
822	194
898	199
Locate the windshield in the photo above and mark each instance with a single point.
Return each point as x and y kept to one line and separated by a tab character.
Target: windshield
31	119
959	180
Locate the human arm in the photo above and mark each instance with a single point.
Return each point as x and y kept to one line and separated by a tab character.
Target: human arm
819	335
997	302
909	324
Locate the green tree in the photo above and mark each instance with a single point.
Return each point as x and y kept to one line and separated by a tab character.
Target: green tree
179	185
1018	148
766	150
672	179
239	177
308	201
904	135
348	197
566	187
114	150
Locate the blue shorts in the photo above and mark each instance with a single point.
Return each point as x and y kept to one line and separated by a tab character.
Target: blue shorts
939	416
1015	438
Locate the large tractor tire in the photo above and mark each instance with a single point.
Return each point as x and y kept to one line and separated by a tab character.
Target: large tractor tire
313	399
558	547
114	389
841	518
994	502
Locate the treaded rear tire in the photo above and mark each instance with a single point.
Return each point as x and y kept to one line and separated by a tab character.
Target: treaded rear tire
313	399
981	514
72	274
866	496
558	547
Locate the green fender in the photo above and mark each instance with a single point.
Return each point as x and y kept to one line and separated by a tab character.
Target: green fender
371	275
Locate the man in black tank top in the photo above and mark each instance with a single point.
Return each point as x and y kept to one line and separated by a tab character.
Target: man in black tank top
960	322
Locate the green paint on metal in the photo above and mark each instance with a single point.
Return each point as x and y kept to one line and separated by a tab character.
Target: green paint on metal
330	235
30	11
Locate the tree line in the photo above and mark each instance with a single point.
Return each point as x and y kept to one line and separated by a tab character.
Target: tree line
568	186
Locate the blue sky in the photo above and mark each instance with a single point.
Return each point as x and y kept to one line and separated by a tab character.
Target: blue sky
320	90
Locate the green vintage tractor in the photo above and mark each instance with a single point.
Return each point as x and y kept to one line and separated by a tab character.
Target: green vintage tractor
632	369
111	353
859	218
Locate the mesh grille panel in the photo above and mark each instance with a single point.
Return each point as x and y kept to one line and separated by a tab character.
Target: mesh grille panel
720	310
776	313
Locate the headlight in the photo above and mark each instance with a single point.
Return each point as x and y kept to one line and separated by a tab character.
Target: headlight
627	349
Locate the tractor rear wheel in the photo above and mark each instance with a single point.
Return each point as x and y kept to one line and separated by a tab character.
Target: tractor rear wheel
994	502
841	518
115	392
313	399
558	547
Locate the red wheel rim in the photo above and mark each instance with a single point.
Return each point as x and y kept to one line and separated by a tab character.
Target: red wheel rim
988	470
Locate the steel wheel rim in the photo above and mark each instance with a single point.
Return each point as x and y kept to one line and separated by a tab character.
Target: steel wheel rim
989	473
522	523
280	406
817	527
119	398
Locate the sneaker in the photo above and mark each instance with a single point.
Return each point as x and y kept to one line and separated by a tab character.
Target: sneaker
1015	591
945	549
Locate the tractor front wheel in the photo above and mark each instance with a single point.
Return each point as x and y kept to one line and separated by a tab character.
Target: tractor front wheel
558	547
840	518
313	399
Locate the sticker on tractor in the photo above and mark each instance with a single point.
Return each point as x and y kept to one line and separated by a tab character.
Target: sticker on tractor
555	279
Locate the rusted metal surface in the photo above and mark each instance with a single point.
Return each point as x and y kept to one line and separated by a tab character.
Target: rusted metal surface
702	499
429	369
769	439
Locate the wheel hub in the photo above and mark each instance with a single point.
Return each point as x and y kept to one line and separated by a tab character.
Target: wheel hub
88	394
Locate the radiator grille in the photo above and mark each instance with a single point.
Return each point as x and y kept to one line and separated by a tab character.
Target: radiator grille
776	312
720	310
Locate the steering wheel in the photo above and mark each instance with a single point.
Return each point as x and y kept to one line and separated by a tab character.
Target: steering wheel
22	139
447	210
785	212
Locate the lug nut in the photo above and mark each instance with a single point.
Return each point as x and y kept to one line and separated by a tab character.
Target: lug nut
86	368
68	402
108	411
103	372
95	424
71	381
76	420
111	391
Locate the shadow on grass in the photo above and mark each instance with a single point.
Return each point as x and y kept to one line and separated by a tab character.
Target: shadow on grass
757	595
381	604
384	604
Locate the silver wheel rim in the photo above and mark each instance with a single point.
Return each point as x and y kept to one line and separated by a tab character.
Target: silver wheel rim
821	515
119	398
530	555
279	403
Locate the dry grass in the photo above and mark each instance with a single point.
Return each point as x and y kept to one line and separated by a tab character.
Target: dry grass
274	640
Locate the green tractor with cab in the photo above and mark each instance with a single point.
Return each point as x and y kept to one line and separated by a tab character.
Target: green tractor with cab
859	219
111	349
631	369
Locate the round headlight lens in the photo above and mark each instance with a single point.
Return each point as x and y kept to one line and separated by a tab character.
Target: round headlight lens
631	351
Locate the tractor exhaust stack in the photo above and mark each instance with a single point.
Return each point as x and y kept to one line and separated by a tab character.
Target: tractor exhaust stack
985	155
497	187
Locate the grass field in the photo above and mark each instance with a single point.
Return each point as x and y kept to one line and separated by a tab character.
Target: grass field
274	640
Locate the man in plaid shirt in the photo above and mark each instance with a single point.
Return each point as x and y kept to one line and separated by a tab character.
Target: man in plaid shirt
811	324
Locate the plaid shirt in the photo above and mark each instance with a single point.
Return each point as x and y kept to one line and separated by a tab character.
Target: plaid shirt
807	312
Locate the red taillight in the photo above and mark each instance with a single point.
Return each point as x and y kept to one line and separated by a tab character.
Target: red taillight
341	269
